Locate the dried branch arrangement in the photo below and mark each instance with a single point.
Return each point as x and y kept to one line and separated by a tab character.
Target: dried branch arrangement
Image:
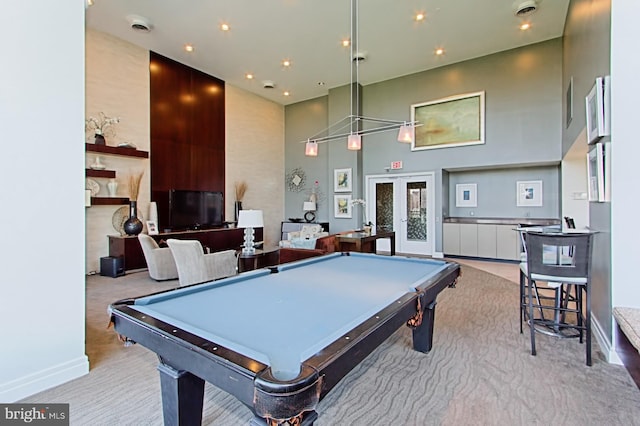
241	188
134	185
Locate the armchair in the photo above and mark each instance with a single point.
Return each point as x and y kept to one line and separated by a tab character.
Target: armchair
194	266
159	259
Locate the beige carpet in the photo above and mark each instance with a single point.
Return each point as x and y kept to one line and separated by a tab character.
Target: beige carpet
480	372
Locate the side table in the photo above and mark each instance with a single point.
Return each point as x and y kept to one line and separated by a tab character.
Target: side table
260	259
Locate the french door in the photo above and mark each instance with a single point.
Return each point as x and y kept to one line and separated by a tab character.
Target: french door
405	204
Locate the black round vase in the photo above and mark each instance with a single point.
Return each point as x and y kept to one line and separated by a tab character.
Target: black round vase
237	206
133	225
100	140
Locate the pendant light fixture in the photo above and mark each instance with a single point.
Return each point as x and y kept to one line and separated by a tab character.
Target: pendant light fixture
358	125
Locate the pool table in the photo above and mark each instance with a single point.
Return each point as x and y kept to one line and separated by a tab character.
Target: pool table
280	338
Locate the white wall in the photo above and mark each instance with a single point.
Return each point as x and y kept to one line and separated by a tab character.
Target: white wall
117	84
42	174
575	201
625	91
255	154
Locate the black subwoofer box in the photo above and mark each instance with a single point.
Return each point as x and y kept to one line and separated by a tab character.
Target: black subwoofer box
112	266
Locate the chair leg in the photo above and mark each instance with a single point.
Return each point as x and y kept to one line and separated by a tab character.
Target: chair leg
522	302
531	322
588	324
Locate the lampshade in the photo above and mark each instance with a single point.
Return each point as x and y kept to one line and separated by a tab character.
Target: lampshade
311	149
354	142
250	219
309	206
405	134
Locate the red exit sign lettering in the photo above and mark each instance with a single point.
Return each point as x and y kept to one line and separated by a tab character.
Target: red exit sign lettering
395	165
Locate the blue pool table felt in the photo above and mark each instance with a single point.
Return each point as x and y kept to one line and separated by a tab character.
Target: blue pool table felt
281	319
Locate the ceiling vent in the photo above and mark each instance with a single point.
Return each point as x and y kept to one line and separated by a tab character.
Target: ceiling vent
360	56
268	84
526	8
139	24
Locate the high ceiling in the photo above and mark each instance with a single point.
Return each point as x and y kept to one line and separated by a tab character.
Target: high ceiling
309	33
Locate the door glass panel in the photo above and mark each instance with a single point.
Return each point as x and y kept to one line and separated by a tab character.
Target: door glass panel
416	211
384	206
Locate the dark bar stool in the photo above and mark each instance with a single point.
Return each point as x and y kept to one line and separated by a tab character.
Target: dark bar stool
564	260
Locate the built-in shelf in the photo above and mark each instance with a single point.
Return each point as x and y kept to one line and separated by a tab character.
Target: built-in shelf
116	150
109	201
100	173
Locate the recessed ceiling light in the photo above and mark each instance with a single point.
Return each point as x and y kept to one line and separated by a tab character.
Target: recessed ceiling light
525	26
439	51
224	27
249	76
286	63
189	47
346	42
286	93
420	16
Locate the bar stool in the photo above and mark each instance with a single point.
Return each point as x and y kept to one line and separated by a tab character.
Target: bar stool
563	259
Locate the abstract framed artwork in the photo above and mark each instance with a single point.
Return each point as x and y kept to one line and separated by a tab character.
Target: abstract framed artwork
599	172
342	180
342	206
597	110
448	122
466	195
529	193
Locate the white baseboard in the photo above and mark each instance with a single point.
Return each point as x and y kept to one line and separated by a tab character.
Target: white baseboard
438	255
606	347
39	381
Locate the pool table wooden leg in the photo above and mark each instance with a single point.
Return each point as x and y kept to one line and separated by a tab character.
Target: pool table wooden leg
423	334
182	396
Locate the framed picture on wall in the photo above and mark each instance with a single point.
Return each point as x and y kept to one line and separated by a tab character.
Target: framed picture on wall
596	173
342	180
466	195
152	227
452	121
342	206
529	193
597	110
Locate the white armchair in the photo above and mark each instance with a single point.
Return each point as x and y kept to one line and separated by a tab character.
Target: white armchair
159	259
194	266
304	238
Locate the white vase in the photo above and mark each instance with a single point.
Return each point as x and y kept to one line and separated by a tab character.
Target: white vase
112	187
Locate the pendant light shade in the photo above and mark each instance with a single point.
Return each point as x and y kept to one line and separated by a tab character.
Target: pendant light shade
354	142
311	149
405	134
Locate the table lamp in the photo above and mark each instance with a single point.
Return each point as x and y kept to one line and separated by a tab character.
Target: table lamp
249	219
310	208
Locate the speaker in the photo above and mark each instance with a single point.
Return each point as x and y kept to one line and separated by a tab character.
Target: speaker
111	266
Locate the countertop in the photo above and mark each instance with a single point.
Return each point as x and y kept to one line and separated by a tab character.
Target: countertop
504	220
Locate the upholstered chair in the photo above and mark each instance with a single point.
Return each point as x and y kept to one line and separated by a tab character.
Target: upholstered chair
195	266
159	259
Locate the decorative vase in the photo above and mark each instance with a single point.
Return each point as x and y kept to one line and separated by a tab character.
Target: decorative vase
133	225
100	139
236	212
112	186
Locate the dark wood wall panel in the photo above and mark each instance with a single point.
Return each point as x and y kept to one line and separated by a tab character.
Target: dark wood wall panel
187	131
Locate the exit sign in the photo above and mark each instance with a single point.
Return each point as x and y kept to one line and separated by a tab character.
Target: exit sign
395	165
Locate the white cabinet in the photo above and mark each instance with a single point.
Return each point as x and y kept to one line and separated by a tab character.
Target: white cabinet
451	238
487	241
468	239
508	242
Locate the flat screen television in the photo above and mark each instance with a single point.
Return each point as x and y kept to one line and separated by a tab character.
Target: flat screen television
195	209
